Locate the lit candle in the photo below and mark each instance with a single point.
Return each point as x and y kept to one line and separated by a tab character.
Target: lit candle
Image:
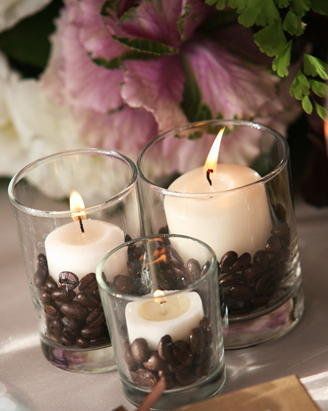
79	246
175	315
236	220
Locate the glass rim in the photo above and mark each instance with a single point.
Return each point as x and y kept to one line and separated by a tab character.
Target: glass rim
267	177
129	297
66	213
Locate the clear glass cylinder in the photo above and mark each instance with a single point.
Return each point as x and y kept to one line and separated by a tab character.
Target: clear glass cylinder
63	243
162	310
246	216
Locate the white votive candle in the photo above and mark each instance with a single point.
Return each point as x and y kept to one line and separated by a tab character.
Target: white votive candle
175	315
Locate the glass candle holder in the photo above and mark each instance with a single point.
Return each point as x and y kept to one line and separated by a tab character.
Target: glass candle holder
162	310
71	208
241	206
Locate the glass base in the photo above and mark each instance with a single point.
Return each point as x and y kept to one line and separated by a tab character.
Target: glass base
171	399
87	360
268	325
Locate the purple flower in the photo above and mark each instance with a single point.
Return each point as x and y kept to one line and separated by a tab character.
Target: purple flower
129	101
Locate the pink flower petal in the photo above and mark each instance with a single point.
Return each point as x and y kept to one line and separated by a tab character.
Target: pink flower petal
157	86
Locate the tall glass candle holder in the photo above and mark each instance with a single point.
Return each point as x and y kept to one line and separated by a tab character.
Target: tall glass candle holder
162	310
71	208
241	206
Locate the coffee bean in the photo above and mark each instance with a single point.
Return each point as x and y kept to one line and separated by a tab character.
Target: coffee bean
197	340
260	300
227	260
130	361
40	277
45	297
165	349
181	353
243	262
155	363
143	378
67	341
240	292
42	261
72	324
231	279
273	244
194	268
100	341
69	333
164	230
51	311
99	321
185	376
175	256
250	274
282	231
266	284
94	315
54	327
68	280
127	238
261	259
87	301
81	342
123	284
61	295
50	284
88	281
280	212
205	268
74	310
140	350
89	332
168	377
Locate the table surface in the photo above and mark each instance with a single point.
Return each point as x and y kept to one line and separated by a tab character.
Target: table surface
27	379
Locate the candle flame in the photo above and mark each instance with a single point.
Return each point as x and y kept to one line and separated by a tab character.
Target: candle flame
77	206
213	155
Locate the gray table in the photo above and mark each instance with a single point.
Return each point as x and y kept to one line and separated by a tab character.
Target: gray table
30	380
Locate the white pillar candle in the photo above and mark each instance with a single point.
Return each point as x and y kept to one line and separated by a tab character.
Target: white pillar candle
175	315
80	245
236	220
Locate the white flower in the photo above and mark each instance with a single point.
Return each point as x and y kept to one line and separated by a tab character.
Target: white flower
11	11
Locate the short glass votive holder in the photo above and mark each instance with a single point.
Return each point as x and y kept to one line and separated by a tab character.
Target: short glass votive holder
241	206
162	310
71	208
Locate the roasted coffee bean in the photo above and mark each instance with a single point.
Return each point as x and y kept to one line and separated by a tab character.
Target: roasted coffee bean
72	324
51	311
42	261
127	238
280	212
266	284
197	340
243	262
62	295
181	353
87	301
89	332
282	231
88	281
74	310
94	315
227	260
261	259
202	364
67	341
50	284
175	257
164	230
100	320
143	378
155	363
130	361
45	297
250	274
165	349
69	333
100	341
168	377
140	350
273	244
40	277
81	342
123	284
54	327
193	268
231	279
240	292
185	376
68	280
260	300
205	268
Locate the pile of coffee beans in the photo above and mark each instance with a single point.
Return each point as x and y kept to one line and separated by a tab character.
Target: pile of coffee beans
180	362
249	282
72	307
171	272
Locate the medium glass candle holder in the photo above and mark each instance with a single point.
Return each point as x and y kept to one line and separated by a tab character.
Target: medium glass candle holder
241	206
162	310
72	207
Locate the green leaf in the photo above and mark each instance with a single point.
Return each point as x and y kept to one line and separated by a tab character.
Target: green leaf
319	88
320	6
293	24
271	40
192	105
108	7
321	111
300	86
313	66
258	12
300	7
307	105
153	47
282	3
281	62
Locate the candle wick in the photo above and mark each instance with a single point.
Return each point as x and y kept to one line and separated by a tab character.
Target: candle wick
163	307
208	172
81	224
